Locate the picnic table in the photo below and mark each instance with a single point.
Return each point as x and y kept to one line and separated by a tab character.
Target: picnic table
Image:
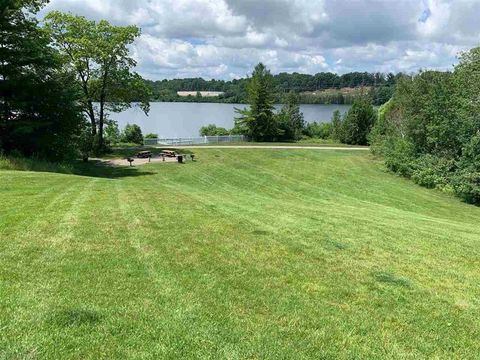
144	154
169	153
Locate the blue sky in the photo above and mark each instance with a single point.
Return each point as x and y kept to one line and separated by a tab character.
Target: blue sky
225	38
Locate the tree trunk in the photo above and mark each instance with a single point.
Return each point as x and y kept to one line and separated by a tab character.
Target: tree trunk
91	115
100	124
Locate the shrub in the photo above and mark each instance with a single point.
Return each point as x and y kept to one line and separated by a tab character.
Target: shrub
319	130
433	171
467	180
151	136
213	130
399	155
132	134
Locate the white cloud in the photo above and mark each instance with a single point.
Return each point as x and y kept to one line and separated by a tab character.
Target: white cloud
226	38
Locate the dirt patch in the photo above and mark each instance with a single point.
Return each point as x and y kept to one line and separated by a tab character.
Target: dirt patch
137	162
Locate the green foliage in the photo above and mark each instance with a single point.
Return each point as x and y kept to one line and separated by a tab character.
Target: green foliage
399	154
429	130
290	120
151	136
258	120
85	141
39	115
132	134
99	53
16	162
467	178
213	130
321	88
112	132
358	123
337	126
318	130
432	171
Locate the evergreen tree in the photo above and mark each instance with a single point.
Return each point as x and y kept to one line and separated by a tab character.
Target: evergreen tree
259	121
290	119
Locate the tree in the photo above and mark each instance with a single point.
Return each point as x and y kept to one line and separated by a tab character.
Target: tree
38	111
430	129
132	134
112	132
290	119
99	54
358	123
259	120
336	125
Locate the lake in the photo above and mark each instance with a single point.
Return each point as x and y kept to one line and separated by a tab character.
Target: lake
178	119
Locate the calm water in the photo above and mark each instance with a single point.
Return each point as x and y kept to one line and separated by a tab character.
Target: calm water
185	119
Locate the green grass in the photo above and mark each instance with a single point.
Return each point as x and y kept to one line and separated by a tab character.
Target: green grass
259	254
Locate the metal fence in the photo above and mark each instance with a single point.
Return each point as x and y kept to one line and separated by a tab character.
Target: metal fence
195	140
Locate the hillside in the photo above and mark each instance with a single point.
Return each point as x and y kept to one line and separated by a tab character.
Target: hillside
243	254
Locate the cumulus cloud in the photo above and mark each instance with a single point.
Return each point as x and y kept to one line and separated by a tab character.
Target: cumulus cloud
226	38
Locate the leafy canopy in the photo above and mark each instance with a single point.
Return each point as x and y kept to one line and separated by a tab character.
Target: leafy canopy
38	107
99	54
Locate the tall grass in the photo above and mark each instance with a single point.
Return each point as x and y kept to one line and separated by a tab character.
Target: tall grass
19	163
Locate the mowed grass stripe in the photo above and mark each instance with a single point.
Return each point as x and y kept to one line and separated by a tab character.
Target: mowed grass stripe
265	254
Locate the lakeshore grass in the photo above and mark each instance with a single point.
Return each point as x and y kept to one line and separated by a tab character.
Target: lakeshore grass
248	253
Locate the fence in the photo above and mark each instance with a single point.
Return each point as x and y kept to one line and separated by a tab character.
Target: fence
195	140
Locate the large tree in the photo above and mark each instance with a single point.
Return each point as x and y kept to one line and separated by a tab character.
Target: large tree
99	54
258	120
38	112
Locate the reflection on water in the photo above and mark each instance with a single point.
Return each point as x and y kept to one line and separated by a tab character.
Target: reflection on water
185	119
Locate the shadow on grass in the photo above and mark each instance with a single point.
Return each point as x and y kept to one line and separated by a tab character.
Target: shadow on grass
391	279
94	168
123	152
97	168
75	317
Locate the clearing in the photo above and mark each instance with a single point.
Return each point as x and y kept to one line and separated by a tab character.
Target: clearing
262	254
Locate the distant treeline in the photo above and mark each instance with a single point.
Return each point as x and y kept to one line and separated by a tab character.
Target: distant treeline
321	88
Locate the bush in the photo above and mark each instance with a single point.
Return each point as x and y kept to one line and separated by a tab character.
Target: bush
132	134
151	136
319	130
467	180
466	184
399	155
433	171
213	130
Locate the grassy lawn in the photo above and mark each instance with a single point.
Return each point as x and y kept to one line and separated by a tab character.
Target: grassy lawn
259	254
